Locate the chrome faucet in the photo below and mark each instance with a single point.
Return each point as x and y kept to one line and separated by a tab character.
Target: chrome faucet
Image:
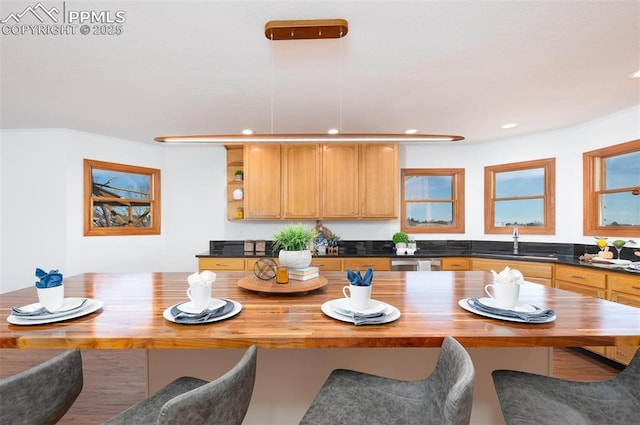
516	235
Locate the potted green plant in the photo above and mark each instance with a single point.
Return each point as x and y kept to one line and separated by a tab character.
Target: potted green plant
400	239
294	241
332	241
238	175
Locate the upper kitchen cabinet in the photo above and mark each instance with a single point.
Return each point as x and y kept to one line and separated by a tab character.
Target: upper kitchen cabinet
360	180
262	181
320	181
340	181
301	181
378	180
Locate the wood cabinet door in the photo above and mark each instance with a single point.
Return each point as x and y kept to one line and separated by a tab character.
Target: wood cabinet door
301	181
340	181
454	263
208	263
378	169
262	181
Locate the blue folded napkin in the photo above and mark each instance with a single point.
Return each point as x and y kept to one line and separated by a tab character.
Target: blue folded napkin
42	311
48	280
357	280
202	317
539	315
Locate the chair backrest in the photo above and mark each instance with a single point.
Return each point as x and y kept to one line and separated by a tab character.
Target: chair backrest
452	382
44	393
223	401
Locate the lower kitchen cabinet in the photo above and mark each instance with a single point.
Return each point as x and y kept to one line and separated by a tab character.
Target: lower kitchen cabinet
533	272
327	264
363	263
455	264
226	264
624	290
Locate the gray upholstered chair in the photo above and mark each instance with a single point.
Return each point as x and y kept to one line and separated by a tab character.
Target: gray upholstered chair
43	394
442	398
192	401
527	398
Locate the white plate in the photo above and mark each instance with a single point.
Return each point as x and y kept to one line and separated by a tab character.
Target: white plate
519	307
188	307
237	308
69	306
392	313
90	306
343	306
465	305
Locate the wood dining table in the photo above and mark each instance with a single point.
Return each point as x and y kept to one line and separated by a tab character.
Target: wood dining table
299	344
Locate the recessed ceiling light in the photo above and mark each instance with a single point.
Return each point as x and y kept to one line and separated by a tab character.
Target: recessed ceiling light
510	125
247	132
635	74
411	131
333	131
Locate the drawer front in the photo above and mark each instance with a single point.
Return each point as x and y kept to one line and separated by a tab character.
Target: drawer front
581	276
220	264
327	264
455	263
378	264
581	289
527	269
627	284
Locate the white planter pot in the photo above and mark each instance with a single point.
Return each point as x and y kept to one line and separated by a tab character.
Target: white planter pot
295	259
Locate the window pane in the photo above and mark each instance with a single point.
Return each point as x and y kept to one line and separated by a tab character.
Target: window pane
524	212
421	214
121	185
428	187
619	209
520	183
622	171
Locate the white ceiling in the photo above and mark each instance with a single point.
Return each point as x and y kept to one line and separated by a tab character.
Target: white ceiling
448	67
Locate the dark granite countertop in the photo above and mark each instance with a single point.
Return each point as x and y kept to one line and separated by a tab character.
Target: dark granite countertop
528	251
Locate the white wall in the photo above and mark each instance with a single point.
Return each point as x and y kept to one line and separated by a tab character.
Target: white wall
41	196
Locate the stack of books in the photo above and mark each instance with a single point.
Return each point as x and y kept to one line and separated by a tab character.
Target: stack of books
306	273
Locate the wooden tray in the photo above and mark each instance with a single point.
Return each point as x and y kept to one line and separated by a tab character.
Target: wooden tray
299	287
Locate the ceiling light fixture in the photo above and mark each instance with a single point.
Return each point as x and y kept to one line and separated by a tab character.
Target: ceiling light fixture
317	138
635	74
307	30
510	125
310	29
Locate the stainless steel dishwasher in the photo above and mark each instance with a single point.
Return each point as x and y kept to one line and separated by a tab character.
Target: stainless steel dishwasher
414	264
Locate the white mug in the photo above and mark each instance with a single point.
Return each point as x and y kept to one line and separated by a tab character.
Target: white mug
505	294
51	298
359	296
200	295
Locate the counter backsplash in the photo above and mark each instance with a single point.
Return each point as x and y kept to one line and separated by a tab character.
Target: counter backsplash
436	248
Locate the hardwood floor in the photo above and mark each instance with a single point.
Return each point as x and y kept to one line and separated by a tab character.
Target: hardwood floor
116	379
571	364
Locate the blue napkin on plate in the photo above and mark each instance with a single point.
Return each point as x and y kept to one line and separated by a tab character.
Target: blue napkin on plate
202	317
358	280
539	315
18	312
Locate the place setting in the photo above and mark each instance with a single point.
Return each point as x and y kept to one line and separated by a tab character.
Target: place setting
52	306
357	306
201	307
502	302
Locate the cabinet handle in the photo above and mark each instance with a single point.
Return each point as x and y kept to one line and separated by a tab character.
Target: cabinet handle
635	287
577	276
221	264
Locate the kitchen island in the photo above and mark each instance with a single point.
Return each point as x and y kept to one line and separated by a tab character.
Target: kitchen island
299	345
